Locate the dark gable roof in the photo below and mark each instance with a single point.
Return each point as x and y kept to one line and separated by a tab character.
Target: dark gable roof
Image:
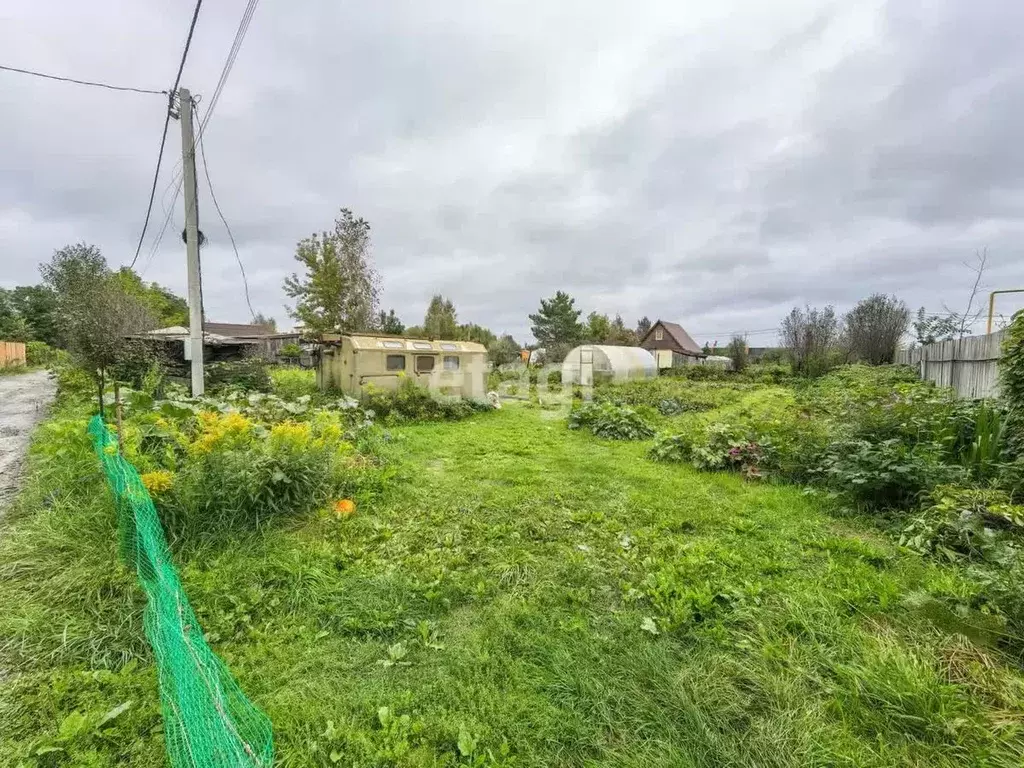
238	330
679	334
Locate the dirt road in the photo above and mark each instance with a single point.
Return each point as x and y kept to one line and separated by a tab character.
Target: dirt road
23	402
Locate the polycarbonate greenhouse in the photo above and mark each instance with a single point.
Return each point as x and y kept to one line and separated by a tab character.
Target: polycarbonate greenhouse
591	363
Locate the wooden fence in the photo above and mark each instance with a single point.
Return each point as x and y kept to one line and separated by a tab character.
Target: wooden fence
11	353
969	365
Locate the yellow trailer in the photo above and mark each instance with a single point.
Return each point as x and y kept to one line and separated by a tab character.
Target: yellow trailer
355	363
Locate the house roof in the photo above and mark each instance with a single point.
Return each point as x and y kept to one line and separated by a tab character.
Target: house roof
237	329
679	334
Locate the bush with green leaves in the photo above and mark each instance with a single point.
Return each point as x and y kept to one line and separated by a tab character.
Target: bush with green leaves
983	530
411	402
696	372
240	474
291	382
615	422
1011	381
720	446
247	374
978	524
887	474
41	354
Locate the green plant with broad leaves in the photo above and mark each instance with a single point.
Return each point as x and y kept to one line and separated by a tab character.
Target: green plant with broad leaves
615	422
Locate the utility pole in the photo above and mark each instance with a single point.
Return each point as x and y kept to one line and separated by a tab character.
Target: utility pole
195	286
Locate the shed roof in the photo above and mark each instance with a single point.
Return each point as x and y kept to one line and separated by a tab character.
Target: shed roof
678	333
363	341
238	329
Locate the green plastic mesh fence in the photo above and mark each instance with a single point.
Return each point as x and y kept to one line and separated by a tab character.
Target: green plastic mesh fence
208	721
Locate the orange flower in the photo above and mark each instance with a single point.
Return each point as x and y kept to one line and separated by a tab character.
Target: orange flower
344	508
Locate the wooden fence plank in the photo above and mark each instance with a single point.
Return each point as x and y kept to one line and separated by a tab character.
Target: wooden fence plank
969	365
11	353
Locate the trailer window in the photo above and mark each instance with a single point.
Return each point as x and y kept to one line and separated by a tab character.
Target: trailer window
396	362
392	345
450	347
451	362
422	345
424	363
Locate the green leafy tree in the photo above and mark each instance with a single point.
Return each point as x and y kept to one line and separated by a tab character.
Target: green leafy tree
477	333
620	335
643	325
166	308
503	350
738	353
556	325
811	335
598	328
12	324
28	313
929	329
440	322
388	322
267	322
874	327
339	288
97	315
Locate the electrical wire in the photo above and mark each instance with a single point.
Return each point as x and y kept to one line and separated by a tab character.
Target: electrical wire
213	197
76	81
229	62
167	122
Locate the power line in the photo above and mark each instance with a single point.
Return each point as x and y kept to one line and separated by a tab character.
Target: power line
213	197
229	61
167	122
92	83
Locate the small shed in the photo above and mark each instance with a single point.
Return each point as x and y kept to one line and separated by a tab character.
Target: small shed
671	345
591	363
353	363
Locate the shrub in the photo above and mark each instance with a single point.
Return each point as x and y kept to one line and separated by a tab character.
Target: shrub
982	529
411	402
719	446
291	383
240	474
615	422
250	373
290	351
696	372
39	353
555	379
964	522
673	406
887	474
1011	380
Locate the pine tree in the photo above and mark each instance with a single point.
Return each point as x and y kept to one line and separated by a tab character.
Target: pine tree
556	326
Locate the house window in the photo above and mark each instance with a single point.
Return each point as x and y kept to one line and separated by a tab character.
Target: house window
659	334
395	362
424	363
451	362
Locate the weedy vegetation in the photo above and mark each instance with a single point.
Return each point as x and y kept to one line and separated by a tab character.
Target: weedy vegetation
749	570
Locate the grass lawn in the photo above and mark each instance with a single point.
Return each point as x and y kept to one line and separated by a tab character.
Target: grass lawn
520	595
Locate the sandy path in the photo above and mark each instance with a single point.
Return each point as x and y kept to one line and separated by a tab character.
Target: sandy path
24	399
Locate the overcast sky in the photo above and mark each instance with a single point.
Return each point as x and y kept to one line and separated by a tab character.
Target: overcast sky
707	163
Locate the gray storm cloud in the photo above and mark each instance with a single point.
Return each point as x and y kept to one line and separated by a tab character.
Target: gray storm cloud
711	166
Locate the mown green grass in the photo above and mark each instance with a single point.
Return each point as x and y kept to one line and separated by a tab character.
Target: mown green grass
520	595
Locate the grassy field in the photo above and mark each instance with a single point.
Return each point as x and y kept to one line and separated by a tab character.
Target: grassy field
520	594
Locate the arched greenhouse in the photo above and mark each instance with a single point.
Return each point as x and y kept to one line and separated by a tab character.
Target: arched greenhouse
591	363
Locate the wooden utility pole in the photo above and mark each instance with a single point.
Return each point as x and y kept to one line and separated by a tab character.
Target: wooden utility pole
195	282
